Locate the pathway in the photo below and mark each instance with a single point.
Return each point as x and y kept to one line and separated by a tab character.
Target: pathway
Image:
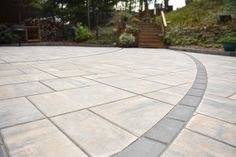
103	102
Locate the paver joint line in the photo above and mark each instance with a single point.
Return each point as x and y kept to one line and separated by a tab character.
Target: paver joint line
194	92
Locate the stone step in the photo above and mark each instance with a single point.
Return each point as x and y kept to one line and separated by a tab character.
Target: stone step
152	45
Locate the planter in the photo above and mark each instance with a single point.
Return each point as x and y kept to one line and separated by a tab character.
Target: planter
229	47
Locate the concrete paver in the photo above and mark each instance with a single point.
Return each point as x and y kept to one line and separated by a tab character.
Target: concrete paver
136	114
15	111
95	135
39	139
100	102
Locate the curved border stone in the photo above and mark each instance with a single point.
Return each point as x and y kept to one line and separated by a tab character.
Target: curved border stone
155	141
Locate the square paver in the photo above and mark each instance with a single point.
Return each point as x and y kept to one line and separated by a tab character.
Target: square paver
70	100
166	130
15	111
141	148
196	92
39	139
190	144
136	114
19	90
181	112
214	128
191	100
95	135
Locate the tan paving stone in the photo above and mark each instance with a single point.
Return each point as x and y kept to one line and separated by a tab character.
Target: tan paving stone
25	78
70	100
95	135
190	144
15	111
68	83
219	107
137	114
5	73
217	129
19	90
165	97
39	139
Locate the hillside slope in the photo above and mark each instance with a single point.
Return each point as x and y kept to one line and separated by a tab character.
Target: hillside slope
198	23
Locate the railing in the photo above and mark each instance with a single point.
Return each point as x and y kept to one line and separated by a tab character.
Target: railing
163	22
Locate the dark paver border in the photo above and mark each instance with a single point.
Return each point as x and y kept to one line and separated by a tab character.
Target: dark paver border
156	140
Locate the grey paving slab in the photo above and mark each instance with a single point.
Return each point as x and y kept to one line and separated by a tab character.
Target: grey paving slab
19	90
181	112
24	78
214	128
70	100
95	135
199	86
5	73
166	130
219	107
136	114
15	111
191	100
190	144
3	151
39	139
68	83
139	149
196	92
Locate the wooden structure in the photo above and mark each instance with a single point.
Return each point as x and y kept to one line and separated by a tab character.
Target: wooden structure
32	34
15	11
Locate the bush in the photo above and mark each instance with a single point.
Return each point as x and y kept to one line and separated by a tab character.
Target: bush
82	33
132	29
228	40
126	40
6	35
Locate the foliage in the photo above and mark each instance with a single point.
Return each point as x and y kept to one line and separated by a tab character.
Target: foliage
82	33
132	29
228	39
198	23
146	19
6	35
106	36
126	40
201	13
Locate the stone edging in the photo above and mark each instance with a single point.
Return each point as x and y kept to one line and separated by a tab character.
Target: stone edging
155	141
203	51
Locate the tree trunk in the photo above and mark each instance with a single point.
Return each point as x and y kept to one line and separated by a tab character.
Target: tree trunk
146	5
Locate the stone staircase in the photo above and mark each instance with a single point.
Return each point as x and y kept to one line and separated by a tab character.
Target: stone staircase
150	36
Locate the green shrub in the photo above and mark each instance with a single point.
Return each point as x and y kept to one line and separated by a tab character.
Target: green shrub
135	21
82	33
132	29
6	35
126	40
228	39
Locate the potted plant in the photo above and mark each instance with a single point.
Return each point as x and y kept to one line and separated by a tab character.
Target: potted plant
229	43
